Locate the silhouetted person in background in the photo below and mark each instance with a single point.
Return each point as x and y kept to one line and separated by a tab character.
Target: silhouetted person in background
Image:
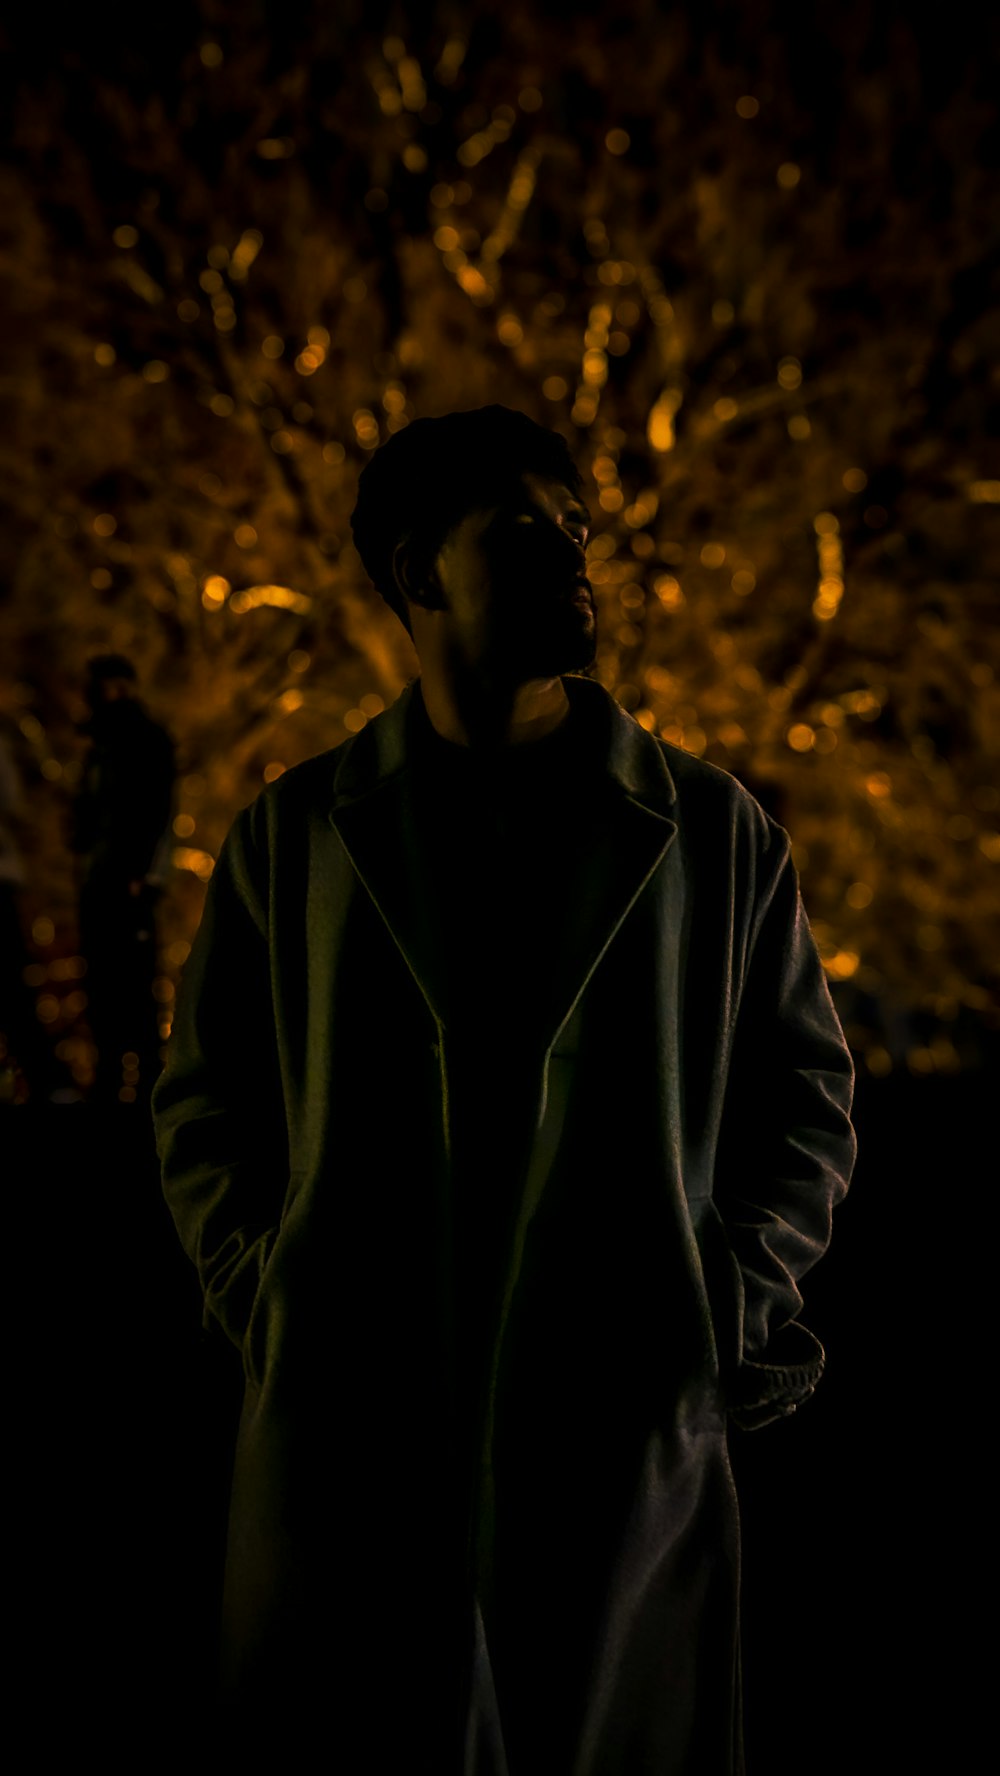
23	1038
121	817
505	1107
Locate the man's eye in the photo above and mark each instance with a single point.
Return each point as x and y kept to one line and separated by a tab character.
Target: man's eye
579	531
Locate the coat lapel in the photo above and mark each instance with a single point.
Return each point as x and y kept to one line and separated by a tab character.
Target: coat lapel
630	829
379	833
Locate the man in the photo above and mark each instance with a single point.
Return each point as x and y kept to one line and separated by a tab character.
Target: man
505	1107
120	826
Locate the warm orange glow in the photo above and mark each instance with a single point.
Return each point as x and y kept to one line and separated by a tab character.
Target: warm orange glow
779	412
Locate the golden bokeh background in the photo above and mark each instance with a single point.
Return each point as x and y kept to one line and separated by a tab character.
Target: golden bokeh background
747	267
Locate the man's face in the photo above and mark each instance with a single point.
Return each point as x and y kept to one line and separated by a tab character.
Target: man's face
511	574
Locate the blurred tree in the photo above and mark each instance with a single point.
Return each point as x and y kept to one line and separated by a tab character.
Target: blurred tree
754	282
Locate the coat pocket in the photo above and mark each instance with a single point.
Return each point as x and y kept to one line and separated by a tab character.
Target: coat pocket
255	1338
723	1284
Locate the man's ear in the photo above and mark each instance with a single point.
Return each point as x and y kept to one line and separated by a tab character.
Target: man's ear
416	575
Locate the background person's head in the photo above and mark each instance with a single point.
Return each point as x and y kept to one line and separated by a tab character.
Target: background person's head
110	679
472	526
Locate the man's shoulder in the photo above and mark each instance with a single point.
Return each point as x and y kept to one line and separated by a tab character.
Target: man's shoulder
706	791
301	791
313	778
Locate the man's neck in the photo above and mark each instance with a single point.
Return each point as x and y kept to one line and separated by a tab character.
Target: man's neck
488	717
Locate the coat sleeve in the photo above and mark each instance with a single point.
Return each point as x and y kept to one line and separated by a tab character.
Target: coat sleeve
217	1106
787	1145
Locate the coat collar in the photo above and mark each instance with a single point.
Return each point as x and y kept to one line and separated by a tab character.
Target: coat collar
632	757
373	811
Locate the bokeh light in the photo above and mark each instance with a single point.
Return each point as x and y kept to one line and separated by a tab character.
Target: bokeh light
751	300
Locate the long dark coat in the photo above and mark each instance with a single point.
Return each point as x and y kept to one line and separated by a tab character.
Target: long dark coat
691	1115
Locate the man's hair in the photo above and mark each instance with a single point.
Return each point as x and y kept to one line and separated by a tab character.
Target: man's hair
425	478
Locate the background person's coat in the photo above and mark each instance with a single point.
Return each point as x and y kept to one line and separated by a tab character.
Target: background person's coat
692	1113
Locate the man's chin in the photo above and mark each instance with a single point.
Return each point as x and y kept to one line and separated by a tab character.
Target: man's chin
573	648
578	663
569	659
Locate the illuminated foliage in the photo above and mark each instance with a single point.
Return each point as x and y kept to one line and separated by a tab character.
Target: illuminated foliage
739	269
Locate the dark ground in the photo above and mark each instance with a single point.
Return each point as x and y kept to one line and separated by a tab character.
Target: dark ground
863	1514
